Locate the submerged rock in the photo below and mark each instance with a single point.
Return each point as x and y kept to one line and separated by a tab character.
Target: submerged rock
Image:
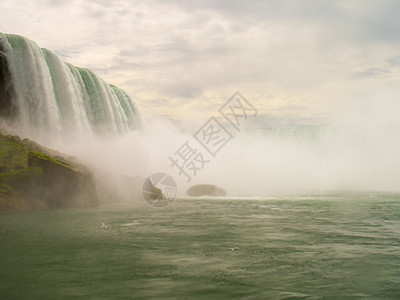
34	177
205	190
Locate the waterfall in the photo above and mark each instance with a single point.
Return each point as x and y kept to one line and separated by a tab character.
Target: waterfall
42	95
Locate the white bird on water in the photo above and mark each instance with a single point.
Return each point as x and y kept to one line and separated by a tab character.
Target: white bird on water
104	226
234	248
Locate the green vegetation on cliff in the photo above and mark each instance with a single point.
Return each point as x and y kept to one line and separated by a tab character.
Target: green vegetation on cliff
31	178
13	162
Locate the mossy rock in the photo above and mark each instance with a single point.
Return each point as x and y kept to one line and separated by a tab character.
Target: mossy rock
13	155
37	156
31	178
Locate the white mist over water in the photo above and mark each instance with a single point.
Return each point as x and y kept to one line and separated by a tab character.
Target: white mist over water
357	155
358	151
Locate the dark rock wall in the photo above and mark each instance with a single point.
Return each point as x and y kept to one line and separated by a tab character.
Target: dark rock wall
32	179
8	109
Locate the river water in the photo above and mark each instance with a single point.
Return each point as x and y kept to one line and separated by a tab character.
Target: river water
308	247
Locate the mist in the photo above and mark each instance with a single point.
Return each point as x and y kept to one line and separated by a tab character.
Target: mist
74	111
356	152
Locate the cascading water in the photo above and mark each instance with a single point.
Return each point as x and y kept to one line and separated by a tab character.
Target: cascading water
72	110
45	97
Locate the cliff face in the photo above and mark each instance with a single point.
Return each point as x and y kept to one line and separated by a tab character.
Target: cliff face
7	106
33	177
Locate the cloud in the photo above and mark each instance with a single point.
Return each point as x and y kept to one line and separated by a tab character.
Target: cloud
290	58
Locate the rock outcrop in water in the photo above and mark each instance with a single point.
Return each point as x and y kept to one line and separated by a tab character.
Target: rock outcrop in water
33	177
205	190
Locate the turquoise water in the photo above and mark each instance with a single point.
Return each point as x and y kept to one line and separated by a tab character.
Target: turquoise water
297	247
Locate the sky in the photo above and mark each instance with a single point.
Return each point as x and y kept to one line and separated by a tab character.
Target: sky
297	62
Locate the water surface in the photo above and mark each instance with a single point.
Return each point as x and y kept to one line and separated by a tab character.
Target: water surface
298	247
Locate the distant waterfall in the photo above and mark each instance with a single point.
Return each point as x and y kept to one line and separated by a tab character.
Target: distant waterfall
40	94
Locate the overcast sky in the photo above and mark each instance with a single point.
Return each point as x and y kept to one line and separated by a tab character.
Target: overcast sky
295	61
